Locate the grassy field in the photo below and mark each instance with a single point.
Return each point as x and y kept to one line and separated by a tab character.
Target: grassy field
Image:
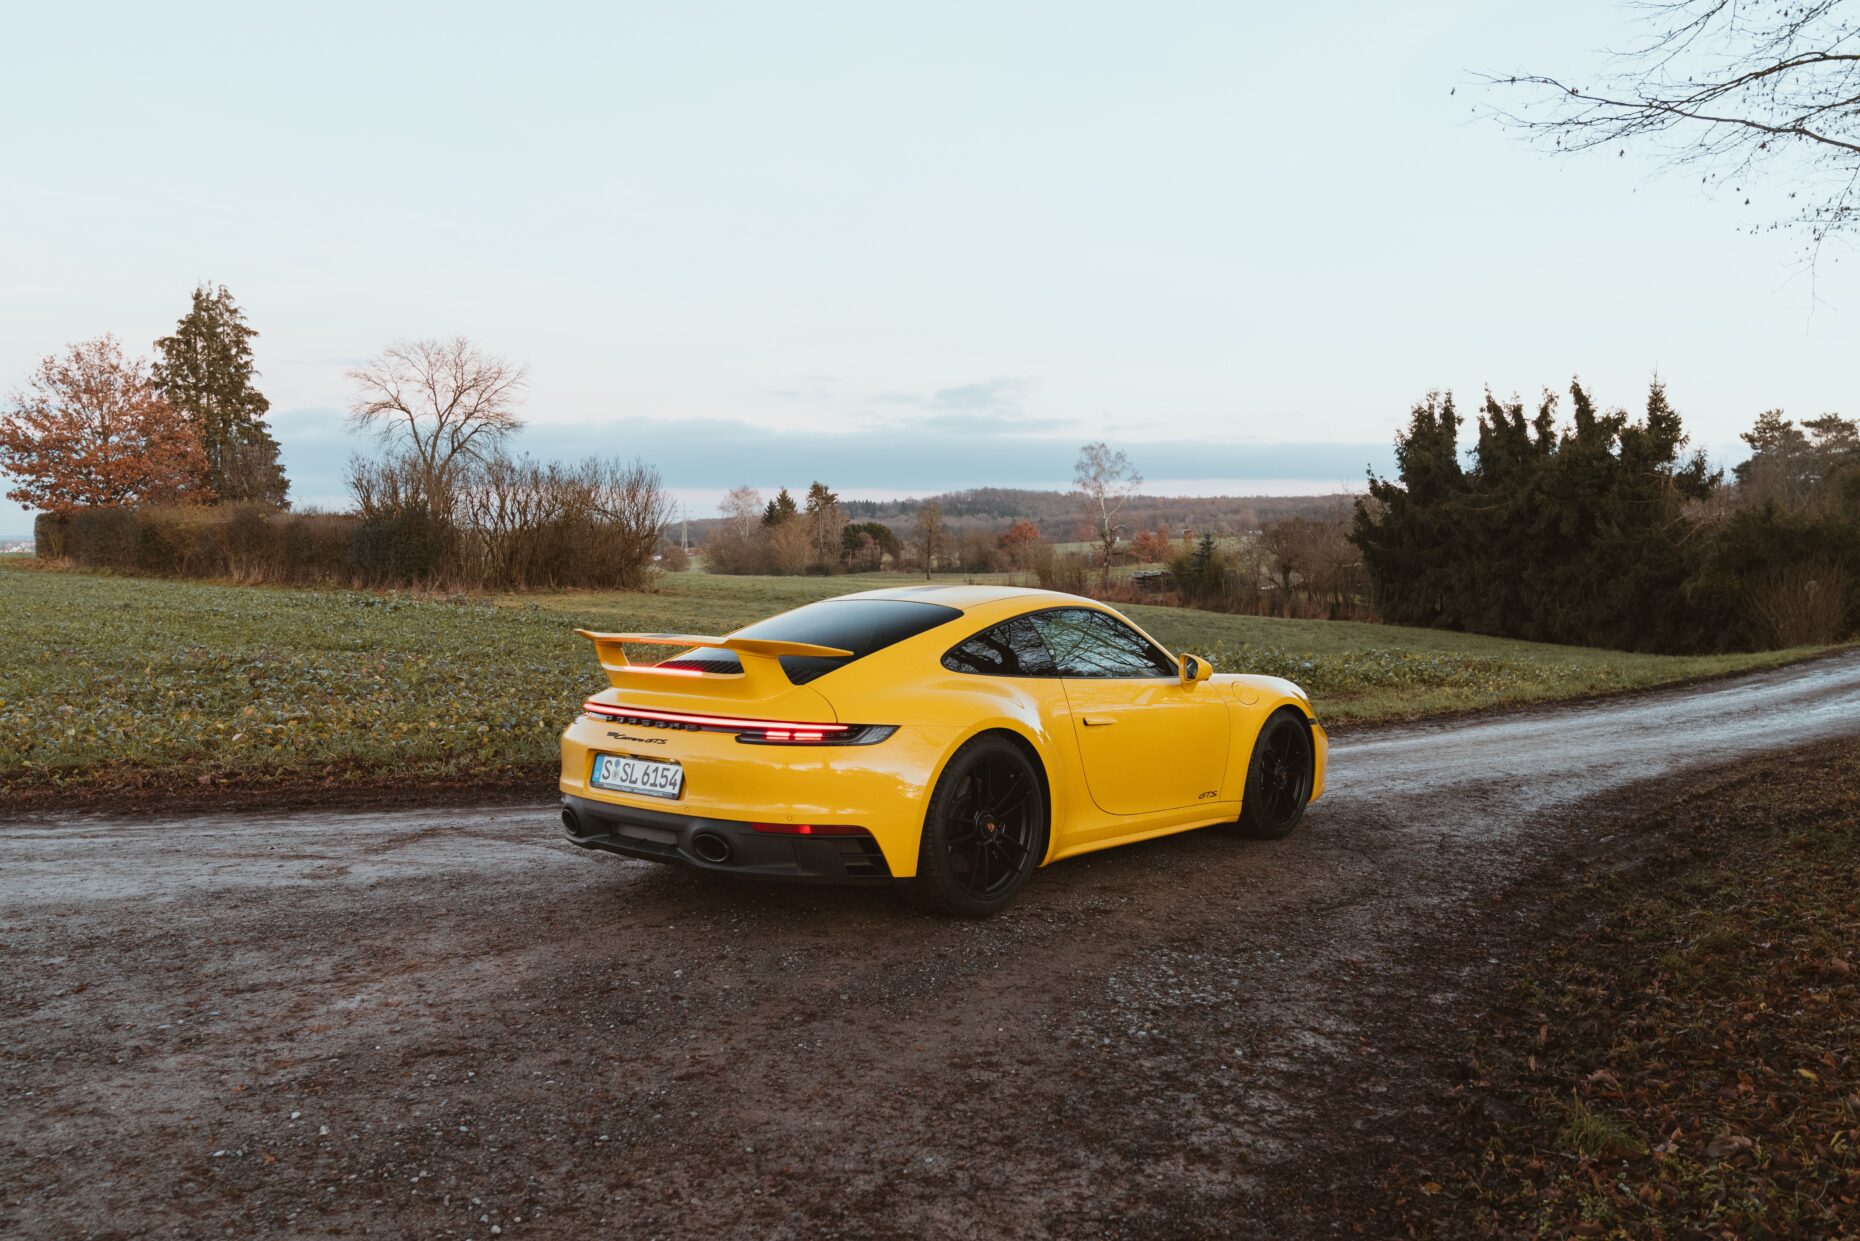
117	682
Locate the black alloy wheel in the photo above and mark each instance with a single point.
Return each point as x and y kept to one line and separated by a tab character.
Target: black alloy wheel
985	831
1279	778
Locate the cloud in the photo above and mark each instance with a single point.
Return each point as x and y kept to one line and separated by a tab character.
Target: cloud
997	396
813	389
986	407
988	424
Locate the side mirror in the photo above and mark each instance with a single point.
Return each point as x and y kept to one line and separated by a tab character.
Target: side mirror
1193	668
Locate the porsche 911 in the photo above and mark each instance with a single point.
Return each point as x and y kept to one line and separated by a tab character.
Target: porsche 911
947	739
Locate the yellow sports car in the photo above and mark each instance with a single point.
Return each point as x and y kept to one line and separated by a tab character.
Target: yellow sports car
948	738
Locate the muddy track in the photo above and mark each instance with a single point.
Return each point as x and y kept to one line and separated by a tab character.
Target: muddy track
440	1022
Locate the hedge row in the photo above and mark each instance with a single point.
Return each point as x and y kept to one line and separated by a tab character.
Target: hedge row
404	549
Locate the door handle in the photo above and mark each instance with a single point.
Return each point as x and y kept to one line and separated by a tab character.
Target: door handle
1099	721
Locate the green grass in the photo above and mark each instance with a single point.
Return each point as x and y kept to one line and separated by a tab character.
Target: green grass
1593	1134
111	679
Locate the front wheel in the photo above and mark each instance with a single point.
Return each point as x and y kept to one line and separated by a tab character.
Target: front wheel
1279	778
984	832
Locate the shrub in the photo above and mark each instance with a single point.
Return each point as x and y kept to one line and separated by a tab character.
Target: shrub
1804	604
314	547
408	547
516	526
1067	571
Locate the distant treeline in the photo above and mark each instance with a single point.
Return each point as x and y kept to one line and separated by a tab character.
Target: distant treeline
1057	516
1606	532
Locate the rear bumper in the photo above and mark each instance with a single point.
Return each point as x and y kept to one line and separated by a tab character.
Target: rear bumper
882	787
722	846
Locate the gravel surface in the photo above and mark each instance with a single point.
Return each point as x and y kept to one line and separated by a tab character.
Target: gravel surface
450	1023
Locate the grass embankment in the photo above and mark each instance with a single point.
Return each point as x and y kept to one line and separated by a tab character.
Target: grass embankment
1684	1045
113	684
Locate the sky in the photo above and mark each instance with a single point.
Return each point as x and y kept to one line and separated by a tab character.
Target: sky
901	248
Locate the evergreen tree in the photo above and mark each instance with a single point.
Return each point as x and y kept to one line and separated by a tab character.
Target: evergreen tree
781	510
1205	569
1789	466
1412	533
1577	535
205	372
884	540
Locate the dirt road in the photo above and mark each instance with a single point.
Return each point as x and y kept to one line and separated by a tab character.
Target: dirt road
453	1024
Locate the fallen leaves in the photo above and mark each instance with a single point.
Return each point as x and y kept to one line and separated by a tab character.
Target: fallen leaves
1707	998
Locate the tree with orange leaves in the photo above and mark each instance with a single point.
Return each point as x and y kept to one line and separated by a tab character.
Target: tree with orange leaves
90	429
1019	543
1152	546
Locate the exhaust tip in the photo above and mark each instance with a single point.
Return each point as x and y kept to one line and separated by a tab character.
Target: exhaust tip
711	847
570	822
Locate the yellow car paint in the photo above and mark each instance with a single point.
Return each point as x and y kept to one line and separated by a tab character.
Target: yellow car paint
1122	759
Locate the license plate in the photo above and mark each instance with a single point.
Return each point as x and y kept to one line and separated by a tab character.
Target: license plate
624	774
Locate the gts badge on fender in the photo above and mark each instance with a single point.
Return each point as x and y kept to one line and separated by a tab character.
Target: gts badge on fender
641	740
1203	797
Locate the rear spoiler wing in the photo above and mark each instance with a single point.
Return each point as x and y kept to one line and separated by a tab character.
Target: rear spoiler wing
760	657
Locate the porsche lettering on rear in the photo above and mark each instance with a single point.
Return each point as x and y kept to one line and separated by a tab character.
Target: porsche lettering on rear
949	740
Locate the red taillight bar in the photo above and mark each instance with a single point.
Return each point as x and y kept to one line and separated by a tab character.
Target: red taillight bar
806	731
809	829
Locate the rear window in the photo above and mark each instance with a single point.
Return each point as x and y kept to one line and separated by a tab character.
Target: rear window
1011	649
861	626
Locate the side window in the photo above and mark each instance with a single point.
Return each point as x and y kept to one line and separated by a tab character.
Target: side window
1010	649
1086	643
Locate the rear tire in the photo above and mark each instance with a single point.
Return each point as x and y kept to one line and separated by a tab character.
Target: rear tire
1279	777
984	832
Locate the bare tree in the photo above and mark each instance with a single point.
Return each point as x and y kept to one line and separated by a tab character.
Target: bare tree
734	545
1313	554
1279	543
742	510
387	486
523	524
1107	480
444	404
825	519
930	535
631	505
1742	91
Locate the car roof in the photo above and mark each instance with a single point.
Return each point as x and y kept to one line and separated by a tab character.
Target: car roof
968	595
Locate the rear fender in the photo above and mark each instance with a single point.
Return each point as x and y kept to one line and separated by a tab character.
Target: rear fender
1039	746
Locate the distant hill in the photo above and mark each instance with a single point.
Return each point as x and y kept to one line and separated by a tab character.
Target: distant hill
1062	519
